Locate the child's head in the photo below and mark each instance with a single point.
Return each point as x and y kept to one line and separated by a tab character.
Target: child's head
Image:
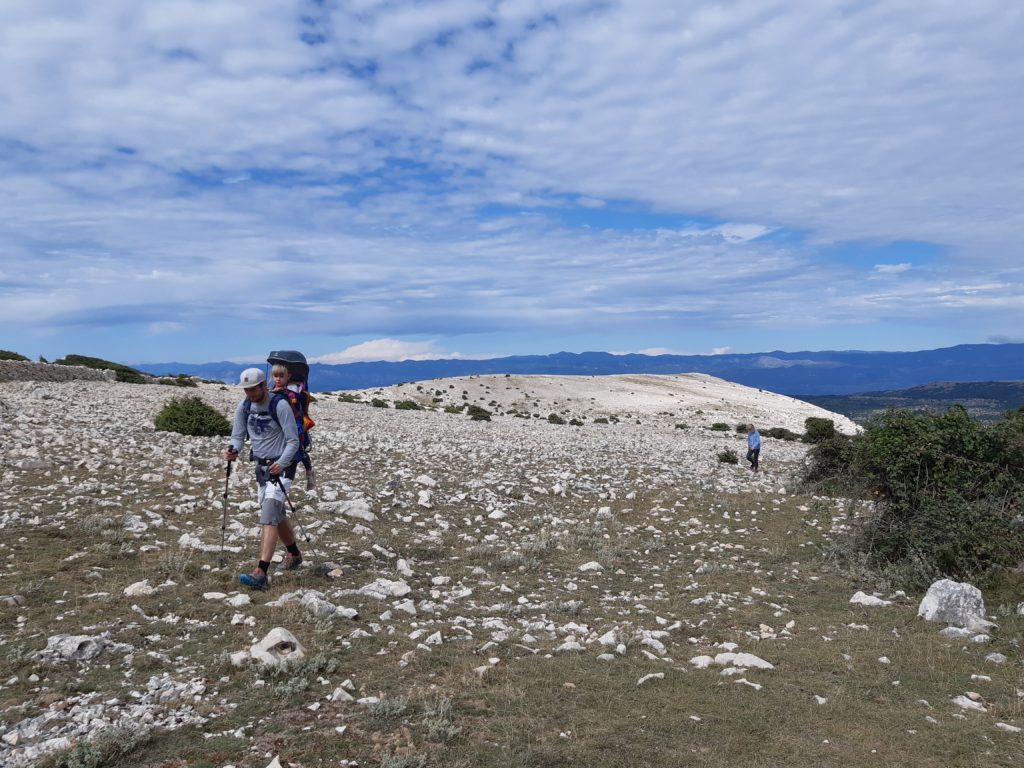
280	375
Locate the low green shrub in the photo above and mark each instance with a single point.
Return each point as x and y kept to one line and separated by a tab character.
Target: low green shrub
378	403
741	429
781	433
817	429
193	416
181	380
719	426
123	372
728	456
8	355
575	423
682	426
478	413
407	405
109	747
554	418
600	420
348	397
454	408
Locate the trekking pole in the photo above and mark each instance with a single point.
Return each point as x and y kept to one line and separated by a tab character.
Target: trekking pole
221	562
276	479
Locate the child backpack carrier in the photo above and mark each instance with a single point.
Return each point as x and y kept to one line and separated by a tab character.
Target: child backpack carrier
298	397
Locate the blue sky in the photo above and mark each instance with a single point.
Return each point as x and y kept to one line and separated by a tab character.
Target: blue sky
192	181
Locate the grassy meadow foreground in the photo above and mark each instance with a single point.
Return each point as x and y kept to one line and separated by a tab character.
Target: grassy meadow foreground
528	593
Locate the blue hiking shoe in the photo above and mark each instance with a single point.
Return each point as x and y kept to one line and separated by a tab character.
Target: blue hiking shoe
255	580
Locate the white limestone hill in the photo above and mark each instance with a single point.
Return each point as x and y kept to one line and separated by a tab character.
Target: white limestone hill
695	399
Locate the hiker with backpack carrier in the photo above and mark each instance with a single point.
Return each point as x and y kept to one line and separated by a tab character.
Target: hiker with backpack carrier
270	425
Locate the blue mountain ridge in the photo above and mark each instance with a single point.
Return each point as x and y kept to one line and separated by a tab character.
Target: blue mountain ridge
791	373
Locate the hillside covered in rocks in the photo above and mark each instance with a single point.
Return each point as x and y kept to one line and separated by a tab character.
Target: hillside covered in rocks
475	592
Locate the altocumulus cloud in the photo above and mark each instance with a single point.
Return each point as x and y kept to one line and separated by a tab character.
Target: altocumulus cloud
381	170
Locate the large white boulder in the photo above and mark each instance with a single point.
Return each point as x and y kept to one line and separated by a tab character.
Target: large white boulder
955	603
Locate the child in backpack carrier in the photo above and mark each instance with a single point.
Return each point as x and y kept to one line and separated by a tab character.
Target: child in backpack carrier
299	399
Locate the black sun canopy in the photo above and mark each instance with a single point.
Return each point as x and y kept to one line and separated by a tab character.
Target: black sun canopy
295	362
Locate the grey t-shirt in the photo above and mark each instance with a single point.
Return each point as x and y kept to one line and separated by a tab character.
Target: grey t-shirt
268	439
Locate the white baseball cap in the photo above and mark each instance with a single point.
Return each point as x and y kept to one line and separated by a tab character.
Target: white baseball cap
252	377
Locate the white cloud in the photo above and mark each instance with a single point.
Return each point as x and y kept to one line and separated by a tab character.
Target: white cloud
385	349
411	172
720	351
893	269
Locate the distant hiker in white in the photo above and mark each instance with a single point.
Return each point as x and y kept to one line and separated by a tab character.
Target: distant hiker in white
753	446
274	442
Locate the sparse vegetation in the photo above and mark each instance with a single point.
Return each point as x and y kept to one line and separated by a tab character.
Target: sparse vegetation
554	418
781	433
123	372
728	456
379	403
719	426
478	413
181	380
8	355
407	405
817	429
192	416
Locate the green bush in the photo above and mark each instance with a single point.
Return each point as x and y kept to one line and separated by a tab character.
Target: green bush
7	355
781	433
575	423
181	380
554	418
378	403
192	416
817	429
719	426
949	493
124	373
600	420
728	456
348	397
478	413
408	405
741	429
454	408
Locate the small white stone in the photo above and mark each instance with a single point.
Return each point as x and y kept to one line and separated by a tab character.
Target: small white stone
652	676
139	589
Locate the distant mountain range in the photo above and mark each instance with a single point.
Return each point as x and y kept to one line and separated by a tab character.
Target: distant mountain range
791	373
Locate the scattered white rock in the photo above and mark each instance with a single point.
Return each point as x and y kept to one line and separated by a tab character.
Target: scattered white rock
139	589
648	678
277	647
967	702
860	598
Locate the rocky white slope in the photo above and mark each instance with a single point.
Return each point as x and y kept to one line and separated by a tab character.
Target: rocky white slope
511	538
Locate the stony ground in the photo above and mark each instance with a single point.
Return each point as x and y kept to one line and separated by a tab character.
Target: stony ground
511	592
